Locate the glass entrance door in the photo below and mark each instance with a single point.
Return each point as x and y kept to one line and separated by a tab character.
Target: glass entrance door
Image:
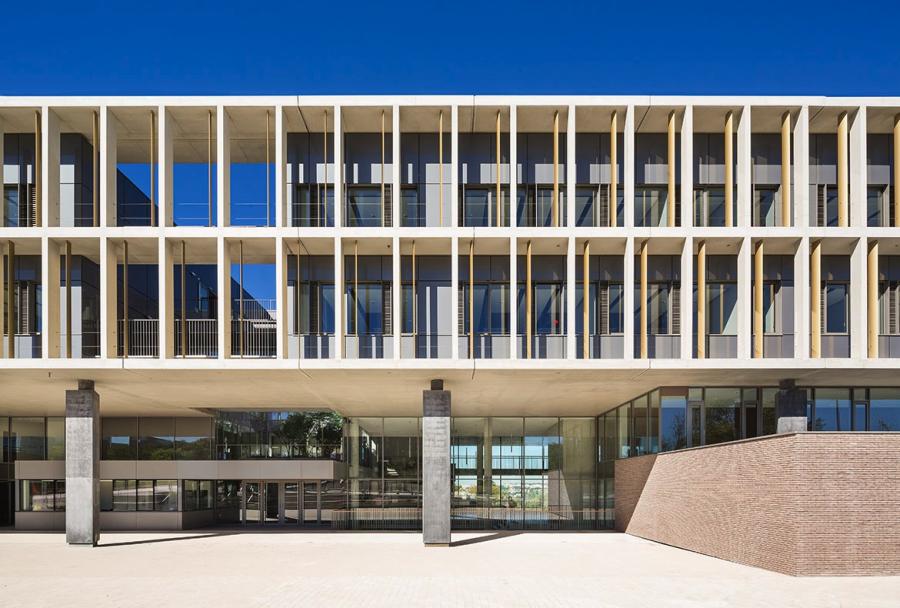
310	507
273	503
251	512
291	503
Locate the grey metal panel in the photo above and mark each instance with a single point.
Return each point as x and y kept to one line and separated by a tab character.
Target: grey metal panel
835	345
362	155
767	174
888	347
722	347
878	175
778	346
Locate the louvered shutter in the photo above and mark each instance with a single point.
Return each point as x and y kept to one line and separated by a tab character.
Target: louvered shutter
676	310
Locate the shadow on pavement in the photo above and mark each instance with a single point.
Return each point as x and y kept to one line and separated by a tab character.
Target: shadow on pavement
165	540
485	538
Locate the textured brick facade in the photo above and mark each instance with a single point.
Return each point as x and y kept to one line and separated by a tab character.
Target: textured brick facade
805	504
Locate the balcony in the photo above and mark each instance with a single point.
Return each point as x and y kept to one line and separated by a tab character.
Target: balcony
25	346
142	338
601	346
369	346
660	346
201	338
485	346
543	346
425	346
535	208
253	338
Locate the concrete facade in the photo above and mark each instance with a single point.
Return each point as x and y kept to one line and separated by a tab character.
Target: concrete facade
808	504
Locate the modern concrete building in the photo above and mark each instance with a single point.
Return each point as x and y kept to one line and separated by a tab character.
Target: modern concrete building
258	310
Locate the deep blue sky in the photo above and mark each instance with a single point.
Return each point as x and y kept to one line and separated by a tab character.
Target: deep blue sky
225	47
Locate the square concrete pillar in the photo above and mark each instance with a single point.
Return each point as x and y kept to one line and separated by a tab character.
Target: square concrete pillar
436	465
83	465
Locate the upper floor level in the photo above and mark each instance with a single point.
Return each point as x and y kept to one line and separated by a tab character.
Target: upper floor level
443	162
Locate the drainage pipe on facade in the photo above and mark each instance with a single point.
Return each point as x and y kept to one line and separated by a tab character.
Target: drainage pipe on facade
897	171
209	169
415	299
241	297
11	300
152	169
325	168
383	202
184	336
268	173
472	299
498	204
441	168
38	171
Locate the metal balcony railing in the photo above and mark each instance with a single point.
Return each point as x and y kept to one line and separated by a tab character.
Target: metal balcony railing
255	338
143	337
369	346
202	338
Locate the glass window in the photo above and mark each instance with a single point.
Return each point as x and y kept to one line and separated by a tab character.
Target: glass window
476	206
106	495
193	438
144	494
616	308
722	414
831	409
836	308
884	409
124	494
548	308
640	440
157	439
205	494
365	444
625	430
37	495
401	448
769	419
658	300
673	419
56	438
190	500
364	205
165	495
119	439
27	438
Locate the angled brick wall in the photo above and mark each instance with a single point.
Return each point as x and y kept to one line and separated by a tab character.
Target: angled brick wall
805	504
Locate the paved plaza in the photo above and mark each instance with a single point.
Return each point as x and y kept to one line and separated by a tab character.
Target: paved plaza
279	568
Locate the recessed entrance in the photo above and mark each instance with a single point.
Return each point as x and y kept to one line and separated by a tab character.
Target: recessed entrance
281	503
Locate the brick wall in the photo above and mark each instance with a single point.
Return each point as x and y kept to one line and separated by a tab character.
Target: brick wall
804	504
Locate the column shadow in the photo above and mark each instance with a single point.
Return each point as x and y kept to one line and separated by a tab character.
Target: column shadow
485	538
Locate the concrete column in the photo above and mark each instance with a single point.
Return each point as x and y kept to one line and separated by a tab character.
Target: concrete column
281	292
338	183
529	306
280	166
223	173
339	296
729	169
166	167
758	278
643	302
50	309
895	187
744	169
513	298
223	280
687	171
436	479
109	326
745	300
586	301
801	169
858	170
613	169
815	296
628	300
570	167
454	167
801	295
843	193
395	171
786	169
83	465
571	340
50	169
687	298
670	159
859	305
166	276
701	300
108	164
628	175
454	297
790	408
397	302
872	300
